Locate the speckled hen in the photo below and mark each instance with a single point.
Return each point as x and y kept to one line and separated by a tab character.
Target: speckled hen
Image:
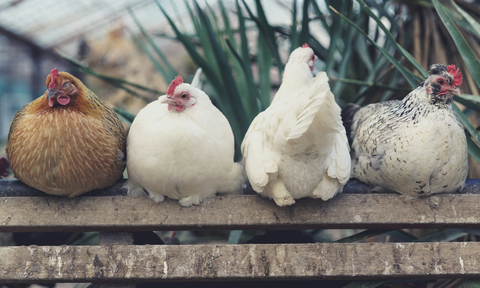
416	146
67	141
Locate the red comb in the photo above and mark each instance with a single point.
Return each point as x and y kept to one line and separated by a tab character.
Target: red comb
177	81
457	76
53	78
305	45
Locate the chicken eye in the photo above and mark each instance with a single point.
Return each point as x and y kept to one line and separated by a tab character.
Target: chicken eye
66	85
184	96
440	81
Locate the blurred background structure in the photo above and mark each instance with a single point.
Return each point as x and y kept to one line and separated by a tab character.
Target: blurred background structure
95	33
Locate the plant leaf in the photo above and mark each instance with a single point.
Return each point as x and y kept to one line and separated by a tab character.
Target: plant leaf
155	62
468	55
364	235
365	284
471	283
117	82
294	41
230	88
305	34
473	149
125	114
370	84
466	124
268	33
468	103
470	97
264	61
207	69
169	71
389	35
234	236
408	75
401	236
442	236
251	99
473	23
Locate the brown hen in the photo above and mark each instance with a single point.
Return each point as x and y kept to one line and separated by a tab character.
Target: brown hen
67	141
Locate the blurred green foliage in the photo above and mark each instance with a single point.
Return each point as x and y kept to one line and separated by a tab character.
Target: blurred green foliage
366	54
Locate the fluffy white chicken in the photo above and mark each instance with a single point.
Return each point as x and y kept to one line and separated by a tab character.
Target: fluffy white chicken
298	147
182	147
416	146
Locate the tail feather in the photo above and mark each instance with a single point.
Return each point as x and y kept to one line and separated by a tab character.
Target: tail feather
348	112
235	180
196	79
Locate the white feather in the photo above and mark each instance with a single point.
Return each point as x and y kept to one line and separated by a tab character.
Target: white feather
196	79
298	146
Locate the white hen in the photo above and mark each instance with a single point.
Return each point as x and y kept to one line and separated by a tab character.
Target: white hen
298	147
182	147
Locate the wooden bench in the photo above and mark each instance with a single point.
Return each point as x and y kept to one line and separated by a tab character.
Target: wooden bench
24	209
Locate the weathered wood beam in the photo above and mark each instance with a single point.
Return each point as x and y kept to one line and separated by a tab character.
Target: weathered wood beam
34	264
15	188
115	238
124	213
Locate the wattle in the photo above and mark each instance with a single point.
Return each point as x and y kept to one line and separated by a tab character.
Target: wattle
51	102
63	100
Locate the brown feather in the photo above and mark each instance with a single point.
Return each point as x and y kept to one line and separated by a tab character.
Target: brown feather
67	150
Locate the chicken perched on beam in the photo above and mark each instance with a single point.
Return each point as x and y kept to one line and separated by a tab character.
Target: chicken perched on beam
416	146
67	141
298	147
182	147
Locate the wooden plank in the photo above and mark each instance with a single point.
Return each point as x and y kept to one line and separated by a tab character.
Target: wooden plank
29	264
15	188
115	238
123	213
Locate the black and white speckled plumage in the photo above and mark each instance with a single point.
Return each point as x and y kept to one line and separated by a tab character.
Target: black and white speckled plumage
416	146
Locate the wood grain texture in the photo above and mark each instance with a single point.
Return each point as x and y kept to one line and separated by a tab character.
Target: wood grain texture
236	212
28	264
15	188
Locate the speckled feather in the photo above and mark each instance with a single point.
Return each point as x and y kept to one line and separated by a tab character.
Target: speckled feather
67	150
416	146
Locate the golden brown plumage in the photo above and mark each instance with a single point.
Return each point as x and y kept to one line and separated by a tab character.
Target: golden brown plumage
67	141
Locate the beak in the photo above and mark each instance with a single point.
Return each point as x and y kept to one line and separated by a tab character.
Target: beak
455	91
311	63
168	100
52	93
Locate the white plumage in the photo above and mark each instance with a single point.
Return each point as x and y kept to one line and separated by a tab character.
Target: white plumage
182	147
298	147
